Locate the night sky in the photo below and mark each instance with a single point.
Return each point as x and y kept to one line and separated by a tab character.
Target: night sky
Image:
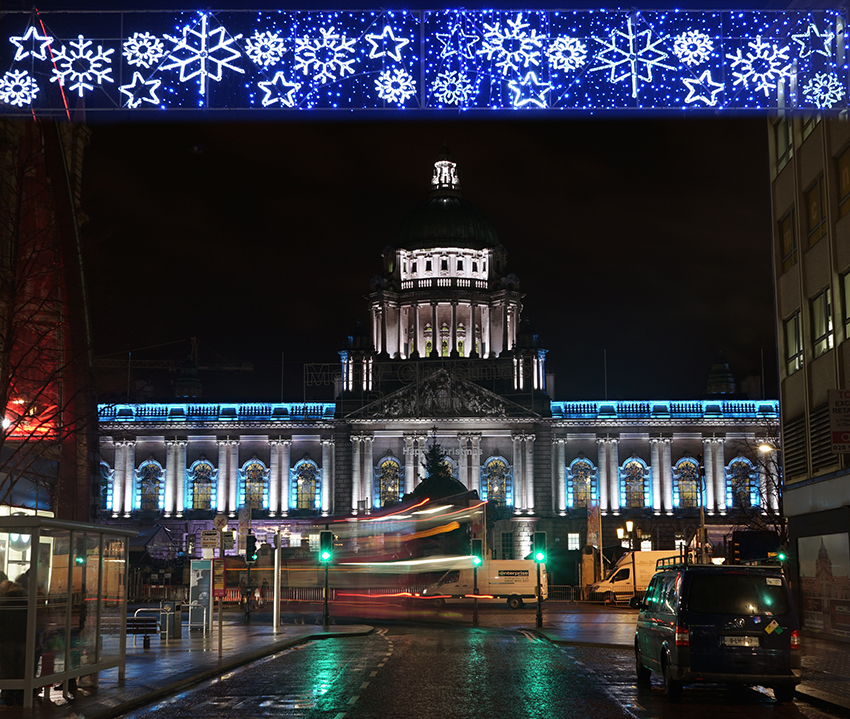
648	239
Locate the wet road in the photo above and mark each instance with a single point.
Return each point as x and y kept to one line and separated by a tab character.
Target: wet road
432	672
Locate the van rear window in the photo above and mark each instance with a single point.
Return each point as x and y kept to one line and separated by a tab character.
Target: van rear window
745	594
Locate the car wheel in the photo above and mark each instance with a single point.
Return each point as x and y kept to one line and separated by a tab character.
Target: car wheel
672	686
784	693
643	673
439	603
514	603
609	598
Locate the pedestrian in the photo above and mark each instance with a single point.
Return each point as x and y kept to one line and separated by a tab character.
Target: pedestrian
13	630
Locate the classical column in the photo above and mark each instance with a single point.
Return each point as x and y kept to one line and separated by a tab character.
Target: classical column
462	457
327	476
529	471
475	462
560	475
223	463
416	339
435	332
602	471
233	477
170	467
285	484
486	332
369	473
355	471
667	478
505	346
181	476
400	332
656	475
720	474
519	475
384	339
453	337
274	477
129	477
410	459
708	466
118	477
614	473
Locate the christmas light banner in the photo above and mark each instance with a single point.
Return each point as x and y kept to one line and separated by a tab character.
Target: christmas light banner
448	60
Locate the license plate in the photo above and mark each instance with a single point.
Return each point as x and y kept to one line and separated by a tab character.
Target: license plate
739	641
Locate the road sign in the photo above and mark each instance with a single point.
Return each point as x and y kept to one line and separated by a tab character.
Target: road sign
839	420
227	540
219	584
220	521
209	539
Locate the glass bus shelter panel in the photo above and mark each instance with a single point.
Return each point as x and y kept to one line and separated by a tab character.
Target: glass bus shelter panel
112	595
85	573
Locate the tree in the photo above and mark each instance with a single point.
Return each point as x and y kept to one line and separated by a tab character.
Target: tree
49	417
438	481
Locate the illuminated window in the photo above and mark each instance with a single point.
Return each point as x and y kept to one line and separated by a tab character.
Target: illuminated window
305	485
580	483
822	336
793	344
573	539
150	486
634	483
201	477
255	474
686	483
815	212
389	482
742	483
788	241
784	147
106	485
844	183
507	545
496	481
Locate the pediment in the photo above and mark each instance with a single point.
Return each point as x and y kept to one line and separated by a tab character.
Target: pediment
441	394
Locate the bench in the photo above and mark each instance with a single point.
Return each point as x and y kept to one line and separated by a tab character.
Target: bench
143	624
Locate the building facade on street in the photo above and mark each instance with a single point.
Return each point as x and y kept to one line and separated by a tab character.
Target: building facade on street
447	359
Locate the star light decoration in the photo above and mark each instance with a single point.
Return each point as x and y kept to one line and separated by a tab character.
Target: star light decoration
464	41
635	59
141	90
279	90
17	87
32	38
325	56
529	91
806	43
697	88
379	40
77	65
206	48
762	65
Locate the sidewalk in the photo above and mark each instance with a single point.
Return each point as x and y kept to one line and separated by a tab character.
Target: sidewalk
826	664
168	667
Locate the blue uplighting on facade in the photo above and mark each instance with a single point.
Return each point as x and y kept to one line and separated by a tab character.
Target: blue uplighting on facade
447	61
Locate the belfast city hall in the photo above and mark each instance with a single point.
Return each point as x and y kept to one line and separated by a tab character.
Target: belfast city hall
447	360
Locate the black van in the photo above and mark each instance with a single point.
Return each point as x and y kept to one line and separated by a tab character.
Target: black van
730	624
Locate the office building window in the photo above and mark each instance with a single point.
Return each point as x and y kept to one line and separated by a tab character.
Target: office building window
816	212
788	241
822	335
845	297
784	147
793	344
810	121
573	540
844	183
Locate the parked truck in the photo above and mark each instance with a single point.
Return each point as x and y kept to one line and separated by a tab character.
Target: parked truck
510	580
629	576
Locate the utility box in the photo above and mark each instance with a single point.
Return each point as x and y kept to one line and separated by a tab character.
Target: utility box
171	618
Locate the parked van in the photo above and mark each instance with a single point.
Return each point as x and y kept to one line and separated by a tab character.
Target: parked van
510	580
619	585
731	624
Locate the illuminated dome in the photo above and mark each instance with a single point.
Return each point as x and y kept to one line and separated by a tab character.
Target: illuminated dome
445	219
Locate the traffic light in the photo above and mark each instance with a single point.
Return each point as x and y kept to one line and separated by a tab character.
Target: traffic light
477	552
250	548
538	547
326	546
781	554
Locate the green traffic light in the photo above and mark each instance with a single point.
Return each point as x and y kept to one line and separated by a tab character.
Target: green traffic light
540	557
325	556
80	560
476	561
781	556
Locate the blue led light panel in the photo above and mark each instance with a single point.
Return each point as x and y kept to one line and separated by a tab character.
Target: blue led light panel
447	60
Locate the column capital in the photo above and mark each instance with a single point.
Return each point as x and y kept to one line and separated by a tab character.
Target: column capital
227	442
327	442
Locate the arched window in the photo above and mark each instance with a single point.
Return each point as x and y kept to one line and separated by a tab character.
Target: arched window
107	476
201	484
451	466
306	485
496	482
461	339
429	339
254	477
742	488
389	484
150	485
686	481
634	484
581	483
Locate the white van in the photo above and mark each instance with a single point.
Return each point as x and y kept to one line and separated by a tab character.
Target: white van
619	585
510	580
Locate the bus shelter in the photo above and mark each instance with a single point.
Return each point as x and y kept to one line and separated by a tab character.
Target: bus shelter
63	605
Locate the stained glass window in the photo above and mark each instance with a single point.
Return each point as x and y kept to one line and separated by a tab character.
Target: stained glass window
105	486
255	484
202	474
740	483
306	485
389	482
150	482
496	481
687	471
581	480
633	481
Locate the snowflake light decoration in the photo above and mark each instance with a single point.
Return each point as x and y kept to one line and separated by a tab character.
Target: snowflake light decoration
265	49
201	46
763	65
452	88
512	46
824	90
279	89
397	44
325	56
529	91
32	37
78	66
17	87
693	47
141	90
143	49
567	53
395	86
703	89
807	44
633	60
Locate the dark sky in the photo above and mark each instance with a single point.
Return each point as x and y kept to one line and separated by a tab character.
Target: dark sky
646	238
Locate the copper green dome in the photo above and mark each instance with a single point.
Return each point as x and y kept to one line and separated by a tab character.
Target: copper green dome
446	219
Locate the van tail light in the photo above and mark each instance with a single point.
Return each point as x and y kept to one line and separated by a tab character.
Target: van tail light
796	643
683	638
